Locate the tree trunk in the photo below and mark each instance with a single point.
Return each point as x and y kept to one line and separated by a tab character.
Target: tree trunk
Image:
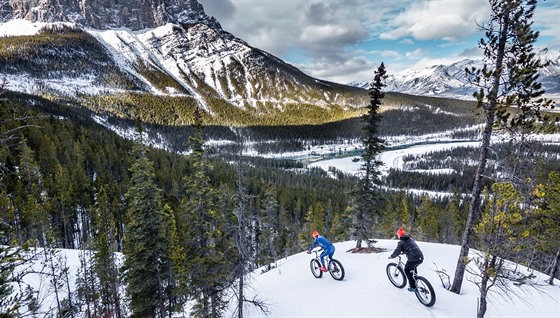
241	286
554	268
482	306
474	209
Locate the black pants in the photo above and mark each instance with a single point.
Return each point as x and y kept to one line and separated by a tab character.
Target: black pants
408	268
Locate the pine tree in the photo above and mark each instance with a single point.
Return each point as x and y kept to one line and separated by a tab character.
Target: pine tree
502	230
368	199
429	220
545	221
204	237
32	217
396	214
270	226
104	260
243	246
146	259
9	302
341	224
508	79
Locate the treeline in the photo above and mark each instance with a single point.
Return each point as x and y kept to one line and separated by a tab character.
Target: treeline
531	159
65	180
157	111
61	51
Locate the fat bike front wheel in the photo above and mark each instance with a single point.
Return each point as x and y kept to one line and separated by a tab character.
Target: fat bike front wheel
316	268
396	275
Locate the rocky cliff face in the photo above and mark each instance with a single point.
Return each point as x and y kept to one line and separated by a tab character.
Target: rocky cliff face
107	14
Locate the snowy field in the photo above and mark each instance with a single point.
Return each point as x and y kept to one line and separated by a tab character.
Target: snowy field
290	290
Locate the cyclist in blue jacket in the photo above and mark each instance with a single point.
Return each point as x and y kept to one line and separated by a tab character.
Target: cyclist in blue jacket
326	245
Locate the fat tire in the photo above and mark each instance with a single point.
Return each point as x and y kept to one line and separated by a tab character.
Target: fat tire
396	275
336	269
316	268
425	292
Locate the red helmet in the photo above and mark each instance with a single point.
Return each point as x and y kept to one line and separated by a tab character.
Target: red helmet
315	233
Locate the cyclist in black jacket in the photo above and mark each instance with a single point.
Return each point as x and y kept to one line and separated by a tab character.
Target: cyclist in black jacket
413	254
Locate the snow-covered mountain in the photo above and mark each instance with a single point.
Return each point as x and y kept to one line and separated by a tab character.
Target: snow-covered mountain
107	14
450	80
170	47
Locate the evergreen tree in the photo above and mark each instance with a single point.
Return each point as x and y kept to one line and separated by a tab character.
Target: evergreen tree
545	221
10	302
243	245
32	219
205	240
396	214
429	220
508	79
368	200
502	230
104	260
341	224
457	217
269	222
146	259
315	218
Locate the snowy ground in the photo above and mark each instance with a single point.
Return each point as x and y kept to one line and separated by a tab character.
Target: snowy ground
292	291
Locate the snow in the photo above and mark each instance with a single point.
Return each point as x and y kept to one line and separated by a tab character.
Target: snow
21	27
290	290
392	159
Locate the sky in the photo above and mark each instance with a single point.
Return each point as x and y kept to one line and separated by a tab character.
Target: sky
346	40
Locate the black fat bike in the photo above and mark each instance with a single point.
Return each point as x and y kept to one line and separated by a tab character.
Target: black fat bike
424	290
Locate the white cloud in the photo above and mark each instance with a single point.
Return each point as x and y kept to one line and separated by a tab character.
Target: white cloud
547	21
415	54
427	20
353	69
339	35
386	53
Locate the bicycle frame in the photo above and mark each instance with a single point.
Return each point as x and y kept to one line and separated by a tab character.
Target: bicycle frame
318	257
424	290
334	267
414	271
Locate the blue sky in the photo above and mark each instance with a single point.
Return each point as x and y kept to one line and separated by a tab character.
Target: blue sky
345	40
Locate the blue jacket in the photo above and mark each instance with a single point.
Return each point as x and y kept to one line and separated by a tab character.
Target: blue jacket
322	242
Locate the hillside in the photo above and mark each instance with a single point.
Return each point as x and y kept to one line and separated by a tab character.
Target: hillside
290	290
163	72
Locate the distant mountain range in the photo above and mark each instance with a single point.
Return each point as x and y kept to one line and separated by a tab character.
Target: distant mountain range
450	80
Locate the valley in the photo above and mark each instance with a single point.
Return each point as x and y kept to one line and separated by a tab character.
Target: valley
175	158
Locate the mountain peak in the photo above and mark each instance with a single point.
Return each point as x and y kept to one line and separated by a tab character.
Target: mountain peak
108	14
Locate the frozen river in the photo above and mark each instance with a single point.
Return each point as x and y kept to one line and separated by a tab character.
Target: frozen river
390	158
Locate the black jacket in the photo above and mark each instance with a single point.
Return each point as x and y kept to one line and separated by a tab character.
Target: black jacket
409	247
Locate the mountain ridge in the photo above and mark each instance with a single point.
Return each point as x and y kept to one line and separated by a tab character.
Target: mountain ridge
449	80
108	14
